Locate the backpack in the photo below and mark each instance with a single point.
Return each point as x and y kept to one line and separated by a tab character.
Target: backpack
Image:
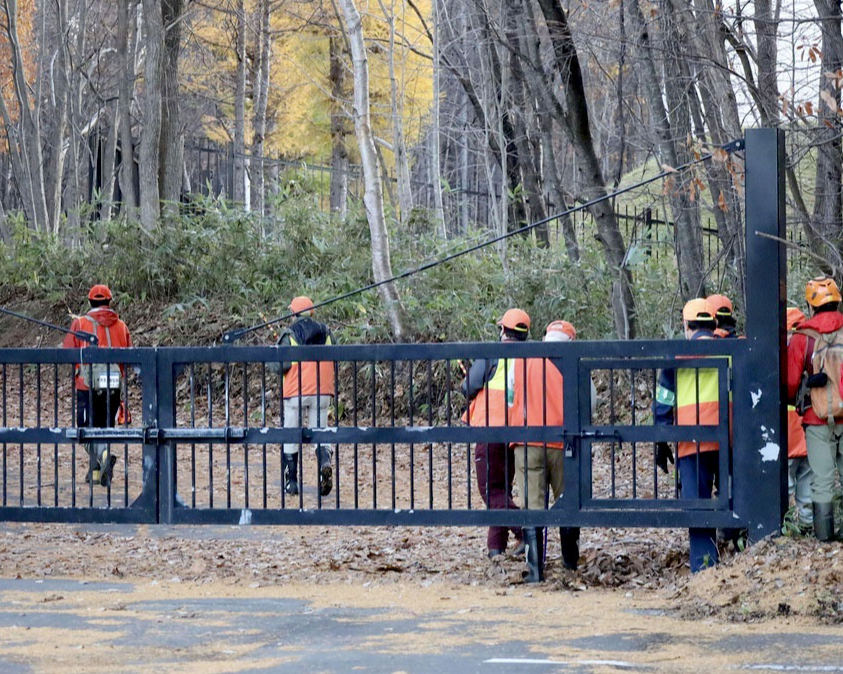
827	357
101	376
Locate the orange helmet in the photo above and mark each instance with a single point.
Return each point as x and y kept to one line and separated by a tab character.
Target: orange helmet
794	317
99	292
821	290
697	310
301	304
560	331
515	319
719	305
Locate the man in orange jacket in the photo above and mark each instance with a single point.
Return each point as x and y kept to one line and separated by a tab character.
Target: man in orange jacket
799	474
538	401
489	387
824	438
98	388
309	390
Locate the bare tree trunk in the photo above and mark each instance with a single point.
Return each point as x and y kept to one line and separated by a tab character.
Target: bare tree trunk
767	57
373	190
172	135
688	235
126	54
29	165
520	105
150	200
108	163
435	150
540	86
399	147
575	119
339	153
60	86
827	198
261	95
240	107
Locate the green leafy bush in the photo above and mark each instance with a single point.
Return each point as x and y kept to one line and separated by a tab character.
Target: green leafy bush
214	267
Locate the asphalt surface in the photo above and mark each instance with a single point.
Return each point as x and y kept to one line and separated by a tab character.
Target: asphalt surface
56	625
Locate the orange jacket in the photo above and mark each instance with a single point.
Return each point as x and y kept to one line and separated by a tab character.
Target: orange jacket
539	399
492	392
98	319
302	378
796	446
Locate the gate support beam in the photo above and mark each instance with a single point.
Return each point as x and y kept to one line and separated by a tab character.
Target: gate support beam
760	426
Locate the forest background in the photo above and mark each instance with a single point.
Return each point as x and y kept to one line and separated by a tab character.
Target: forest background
212	159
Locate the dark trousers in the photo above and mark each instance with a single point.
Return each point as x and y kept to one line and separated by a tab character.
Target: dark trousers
698	476
494	464
98	410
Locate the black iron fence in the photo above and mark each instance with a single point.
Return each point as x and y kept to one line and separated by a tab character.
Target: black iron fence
205	442
209	423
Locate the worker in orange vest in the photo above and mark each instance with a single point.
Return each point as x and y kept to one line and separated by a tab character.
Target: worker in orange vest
690	397
799	473
99	387
489	387
721	308
538	401
308	392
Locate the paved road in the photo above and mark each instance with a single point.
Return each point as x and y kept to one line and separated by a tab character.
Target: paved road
68	626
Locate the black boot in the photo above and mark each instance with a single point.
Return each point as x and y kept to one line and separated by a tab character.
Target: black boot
291	473
824	521
570	538
107	469
534	540
326	473
93	473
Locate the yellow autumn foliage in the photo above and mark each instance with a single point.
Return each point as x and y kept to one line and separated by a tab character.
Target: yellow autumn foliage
26	39
299	106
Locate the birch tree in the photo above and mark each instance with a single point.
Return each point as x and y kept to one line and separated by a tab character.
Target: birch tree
373	188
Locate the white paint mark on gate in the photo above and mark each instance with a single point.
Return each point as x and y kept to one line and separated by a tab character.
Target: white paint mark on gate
770	452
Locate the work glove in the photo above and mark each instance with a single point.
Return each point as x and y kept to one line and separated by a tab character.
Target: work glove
663	454
817	380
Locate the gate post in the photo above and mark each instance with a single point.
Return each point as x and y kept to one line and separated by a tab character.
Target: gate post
759	380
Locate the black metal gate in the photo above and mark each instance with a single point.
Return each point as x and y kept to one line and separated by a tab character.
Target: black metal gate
205	443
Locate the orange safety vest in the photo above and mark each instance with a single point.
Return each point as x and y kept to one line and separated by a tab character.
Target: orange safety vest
544	403
491	405
796	445
311	384
116	335
702	411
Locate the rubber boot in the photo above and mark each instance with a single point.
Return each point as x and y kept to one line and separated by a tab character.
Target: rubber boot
570	539
533	539
824	521
291	473
106	461
326	472
93	473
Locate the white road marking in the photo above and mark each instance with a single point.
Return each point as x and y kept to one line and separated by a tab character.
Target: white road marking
793	668
532	661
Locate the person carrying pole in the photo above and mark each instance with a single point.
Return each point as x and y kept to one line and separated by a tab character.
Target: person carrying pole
489	387
99	385
814	359
690	397
308	390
